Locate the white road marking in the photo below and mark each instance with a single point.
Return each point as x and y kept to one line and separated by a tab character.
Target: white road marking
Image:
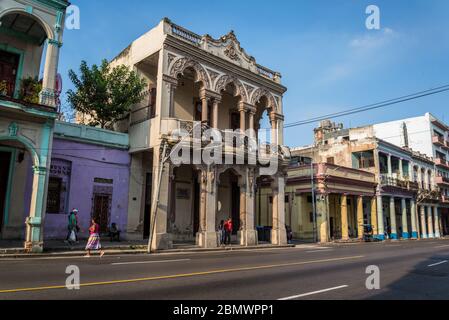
437	264
147	262
322	250
312	293
445	246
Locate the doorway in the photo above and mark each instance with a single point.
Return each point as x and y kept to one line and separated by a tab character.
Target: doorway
147	209
102	213
9	64
196	204
235	209
5	161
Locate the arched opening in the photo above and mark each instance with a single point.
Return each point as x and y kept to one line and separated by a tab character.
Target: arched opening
228	110
22	55
184	211
187	104
229	200
262	121
17	160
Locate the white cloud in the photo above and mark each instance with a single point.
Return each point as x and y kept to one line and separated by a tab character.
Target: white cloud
373	39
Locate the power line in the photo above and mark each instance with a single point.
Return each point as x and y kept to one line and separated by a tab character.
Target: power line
373	106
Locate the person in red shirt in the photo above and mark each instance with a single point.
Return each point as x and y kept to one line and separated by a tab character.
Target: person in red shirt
228	231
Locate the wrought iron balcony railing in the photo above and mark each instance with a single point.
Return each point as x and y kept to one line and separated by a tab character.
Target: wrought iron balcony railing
390	181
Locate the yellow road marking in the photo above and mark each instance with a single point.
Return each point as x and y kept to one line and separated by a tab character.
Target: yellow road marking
186	275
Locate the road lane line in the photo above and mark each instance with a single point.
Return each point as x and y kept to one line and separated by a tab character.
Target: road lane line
186	275
314	251
313	293
444	246
437	264
147	262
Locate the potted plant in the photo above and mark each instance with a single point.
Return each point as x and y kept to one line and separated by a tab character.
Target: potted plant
3	88
29	90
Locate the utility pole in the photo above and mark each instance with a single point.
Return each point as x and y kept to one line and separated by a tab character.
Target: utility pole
313	202
155	203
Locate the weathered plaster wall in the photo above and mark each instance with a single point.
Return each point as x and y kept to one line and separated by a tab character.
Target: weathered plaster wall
89	162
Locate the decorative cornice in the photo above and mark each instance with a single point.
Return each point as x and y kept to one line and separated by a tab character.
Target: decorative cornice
224	66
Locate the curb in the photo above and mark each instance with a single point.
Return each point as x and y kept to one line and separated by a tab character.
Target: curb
135	251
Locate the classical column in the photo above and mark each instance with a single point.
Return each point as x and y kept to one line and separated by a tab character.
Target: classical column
242	215
413	218
252	113
278	234
380	219
204	109
171	85
274	129
33	237
200	237
436	222
430	222
344	218
247	233
373	215
390	169
242	111
405	233
215	113
394	232
360	221
322	211
424	233
48	95
209	236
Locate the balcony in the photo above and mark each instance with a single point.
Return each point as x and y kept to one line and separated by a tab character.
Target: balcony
389	181
440	180
445	199
441	142
331	178
439	162
26	36
187	132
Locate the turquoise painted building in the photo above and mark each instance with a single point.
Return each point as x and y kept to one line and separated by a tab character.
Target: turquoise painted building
28	110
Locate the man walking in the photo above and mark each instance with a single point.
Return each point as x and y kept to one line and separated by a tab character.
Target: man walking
72	227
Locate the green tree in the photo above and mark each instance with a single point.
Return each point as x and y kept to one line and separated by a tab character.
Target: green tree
105	94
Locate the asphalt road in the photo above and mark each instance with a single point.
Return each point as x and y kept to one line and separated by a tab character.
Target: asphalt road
408	270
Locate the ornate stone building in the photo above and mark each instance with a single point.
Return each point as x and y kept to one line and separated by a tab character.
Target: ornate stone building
360	179
214	81
27	116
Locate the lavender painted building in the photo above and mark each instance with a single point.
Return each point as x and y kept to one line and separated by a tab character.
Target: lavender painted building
90	171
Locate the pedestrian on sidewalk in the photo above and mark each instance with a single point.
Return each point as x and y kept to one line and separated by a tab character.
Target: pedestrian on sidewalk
94	239
228	231
72	226
221	232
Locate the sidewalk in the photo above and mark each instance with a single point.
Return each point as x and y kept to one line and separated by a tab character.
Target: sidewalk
53	248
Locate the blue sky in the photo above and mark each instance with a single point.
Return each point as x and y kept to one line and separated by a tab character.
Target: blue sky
328	59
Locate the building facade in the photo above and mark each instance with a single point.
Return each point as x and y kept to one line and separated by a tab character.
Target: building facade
199	79
430	136
89	171
27	114
391	187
